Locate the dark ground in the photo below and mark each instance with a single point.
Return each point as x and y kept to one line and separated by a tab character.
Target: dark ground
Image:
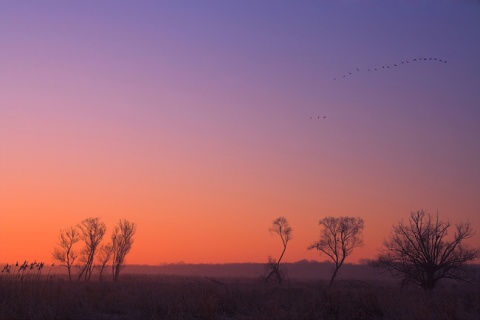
177	297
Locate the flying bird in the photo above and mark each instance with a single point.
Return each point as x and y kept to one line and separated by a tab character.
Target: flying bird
390	67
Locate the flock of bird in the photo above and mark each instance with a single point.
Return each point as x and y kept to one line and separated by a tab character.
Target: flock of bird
395	65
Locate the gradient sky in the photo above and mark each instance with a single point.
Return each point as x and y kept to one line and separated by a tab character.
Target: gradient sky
192	119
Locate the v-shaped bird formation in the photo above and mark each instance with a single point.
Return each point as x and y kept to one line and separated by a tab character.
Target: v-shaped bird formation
389	66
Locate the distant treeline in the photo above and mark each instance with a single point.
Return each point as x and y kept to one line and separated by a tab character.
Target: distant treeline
303	269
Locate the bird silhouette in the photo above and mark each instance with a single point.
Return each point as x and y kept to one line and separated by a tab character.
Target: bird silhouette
393	65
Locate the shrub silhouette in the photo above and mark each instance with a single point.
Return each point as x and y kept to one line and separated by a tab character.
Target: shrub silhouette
281	227
122	240
338	238
64	253
92	231
418	251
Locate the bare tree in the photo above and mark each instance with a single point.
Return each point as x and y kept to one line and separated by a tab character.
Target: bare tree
122	240
104	254
92	232
64	252
418	252
281	227
338	237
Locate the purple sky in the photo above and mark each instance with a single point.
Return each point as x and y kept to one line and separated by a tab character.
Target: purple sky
192	100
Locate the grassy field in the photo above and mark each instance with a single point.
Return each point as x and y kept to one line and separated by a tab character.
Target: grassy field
173	297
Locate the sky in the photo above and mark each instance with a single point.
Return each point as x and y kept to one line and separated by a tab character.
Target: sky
192	119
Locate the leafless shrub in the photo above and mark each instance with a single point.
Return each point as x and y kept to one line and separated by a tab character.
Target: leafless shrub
122	240
338	238
104	255
92	232
419	253
281	227
64	252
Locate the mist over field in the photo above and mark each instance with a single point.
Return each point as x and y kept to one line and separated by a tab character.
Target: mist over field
304	270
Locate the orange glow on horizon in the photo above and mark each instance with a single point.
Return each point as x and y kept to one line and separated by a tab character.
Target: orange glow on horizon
200	133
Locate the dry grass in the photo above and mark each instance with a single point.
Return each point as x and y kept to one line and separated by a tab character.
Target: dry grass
163	297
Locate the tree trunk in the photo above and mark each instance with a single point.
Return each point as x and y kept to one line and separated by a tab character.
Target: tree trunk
430	282
334	275
101	271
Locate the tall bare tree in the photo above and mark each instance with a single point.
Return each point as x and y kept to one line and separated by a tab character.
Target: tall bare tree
104	255
338	237
122	240
92	232
281	227
419	252
64	252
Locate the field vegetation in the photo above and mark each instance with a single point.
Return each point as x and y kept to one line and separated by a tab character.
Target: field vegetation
37	296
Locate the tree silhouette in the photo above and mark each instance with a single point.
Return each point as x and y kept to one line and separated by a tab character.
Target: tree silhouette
104	254
122	240
92	231
419	253
338	238
281	227
64	253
